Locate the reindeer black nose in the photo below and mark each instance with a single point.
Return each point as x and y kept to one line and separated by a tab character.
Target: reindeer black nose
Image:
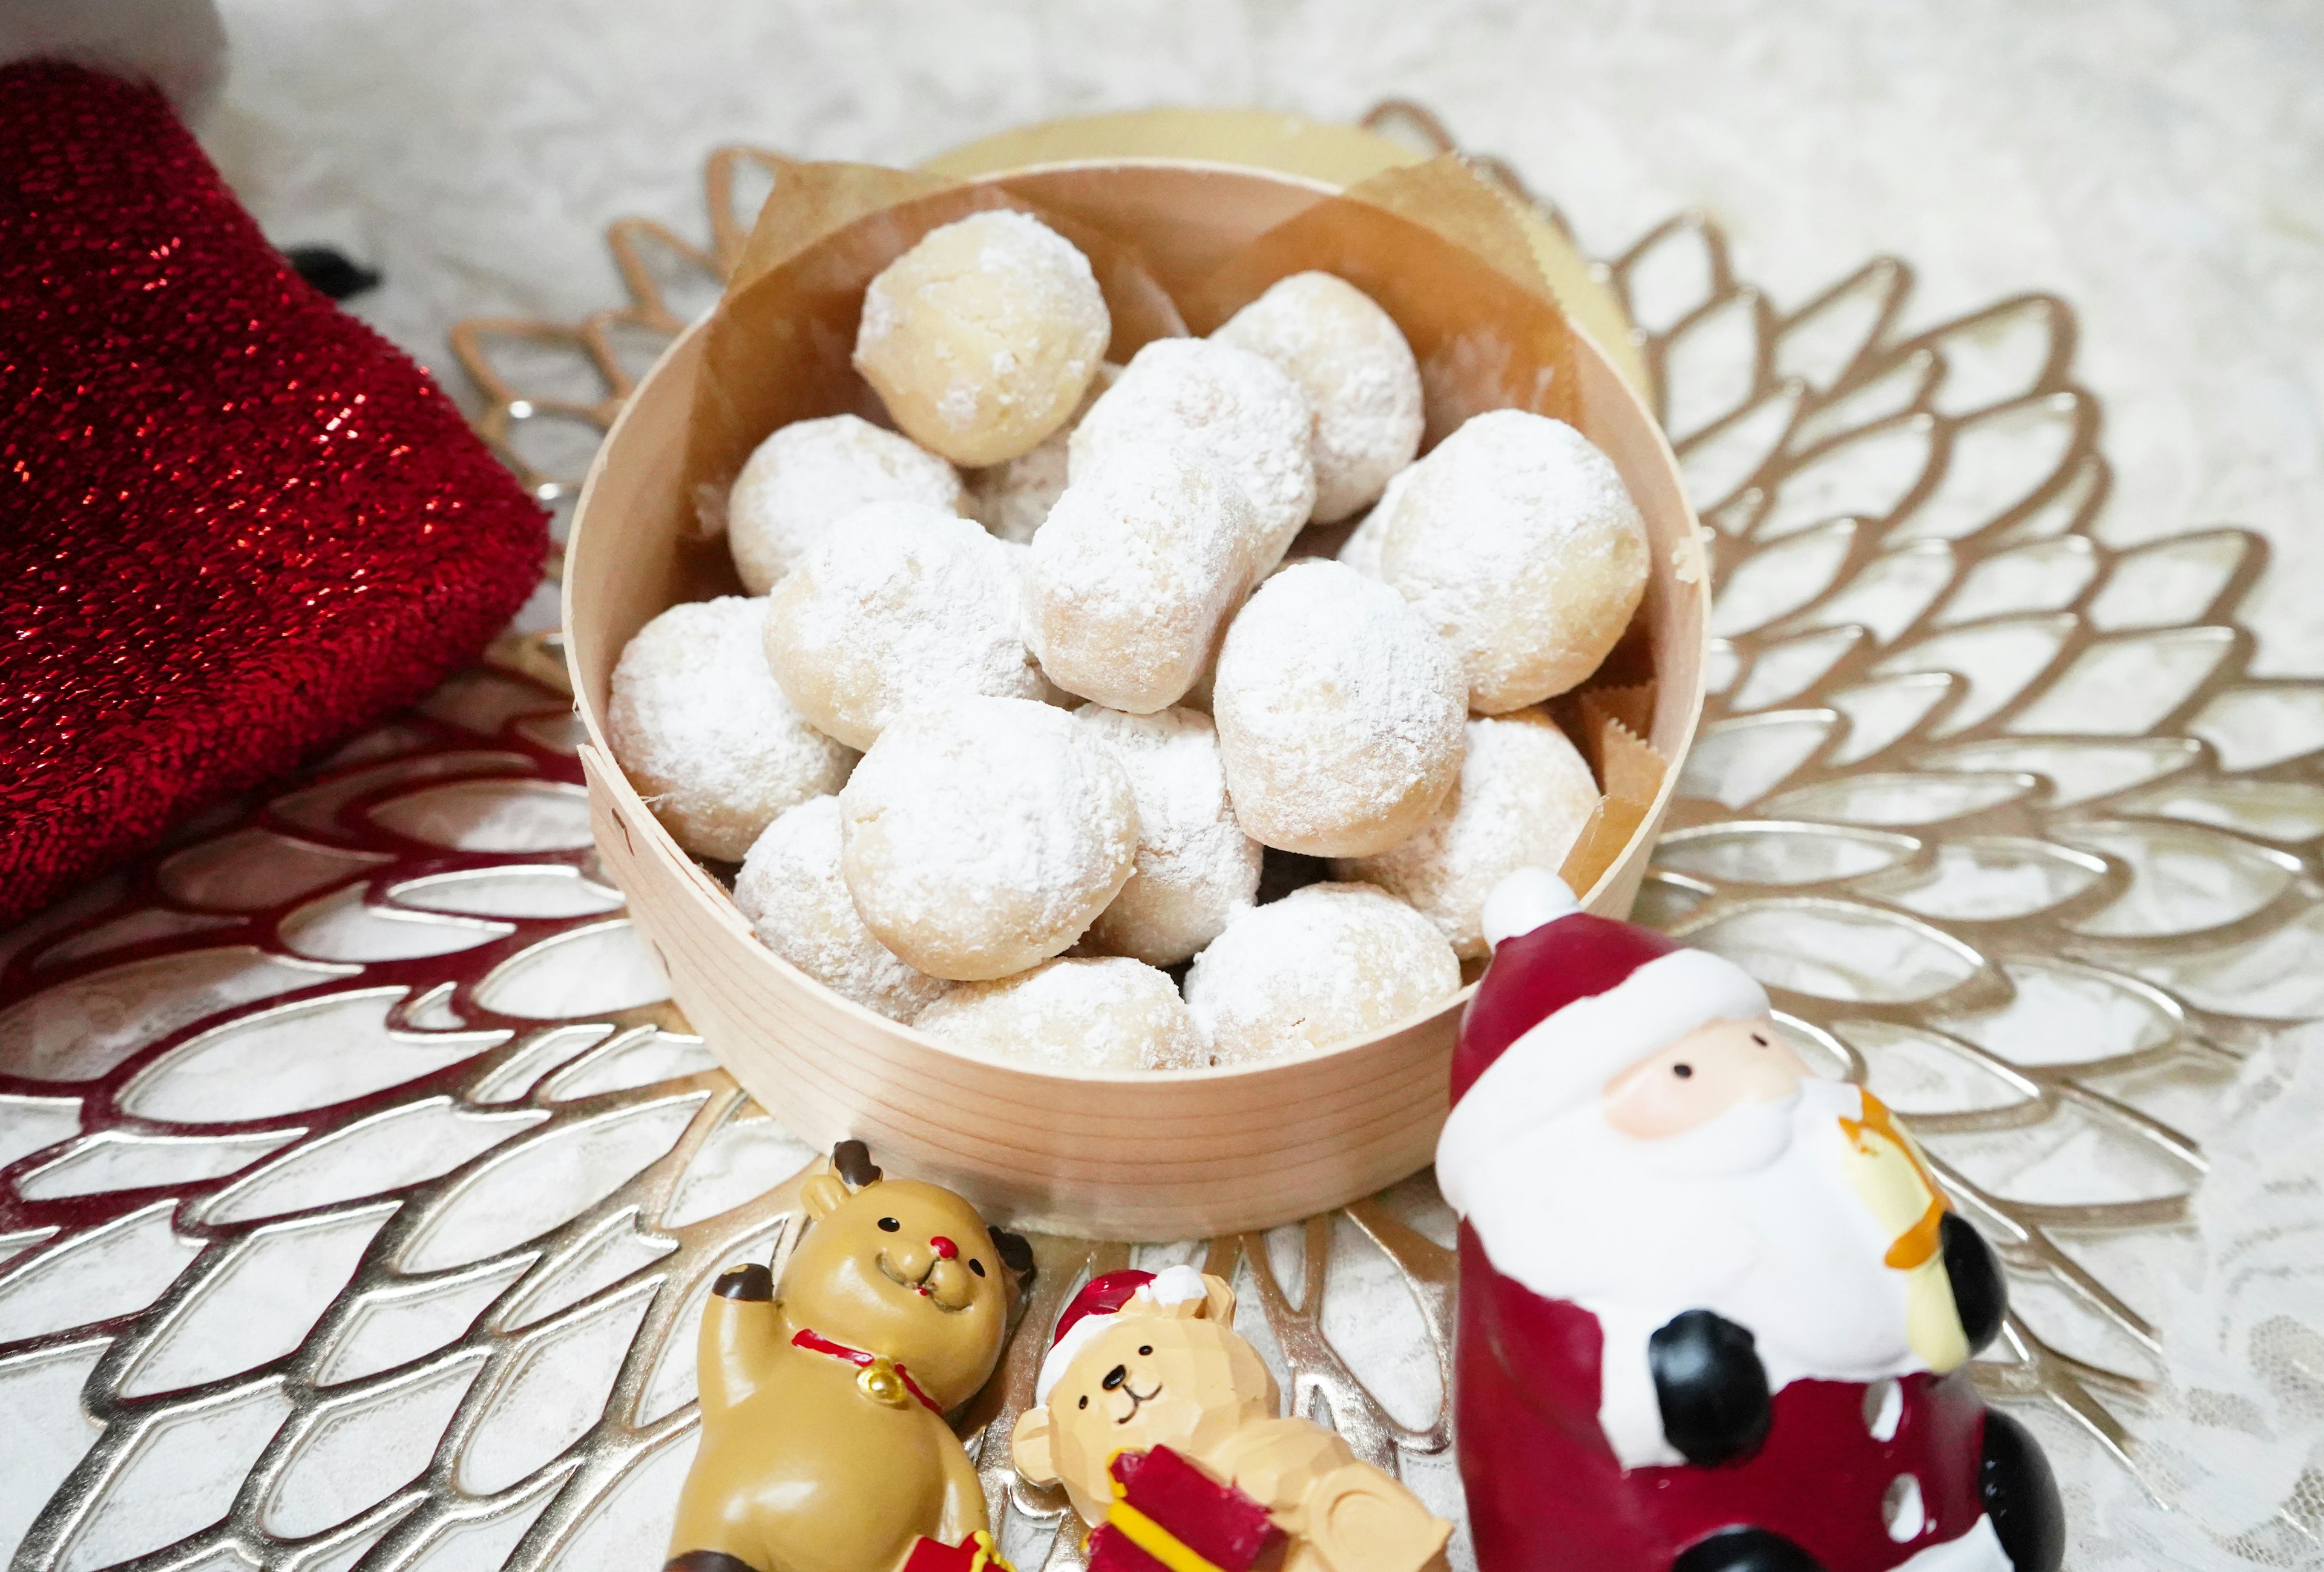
1116	1376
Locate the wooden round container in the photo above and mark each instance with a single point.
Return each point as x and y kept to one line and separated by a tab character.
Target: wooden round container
1143	1155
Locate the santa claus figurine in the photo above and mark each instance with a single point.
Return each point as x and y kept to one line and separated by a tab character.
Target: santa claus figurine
1714	1312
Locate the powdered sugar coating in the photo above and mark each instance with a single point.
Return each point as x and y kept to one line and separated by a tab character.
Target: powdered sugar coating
707	737
1099	1014
1132	580
1525	793
1339	713
1519	543
981	338
1362	384
1361	550
900	604
810	475
985	835
1239	408
1014	499
791	890
1196	869
1326	965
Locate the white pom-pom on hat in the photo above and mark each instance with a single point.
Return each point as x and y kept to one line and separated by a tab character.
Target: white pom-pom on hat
1525	901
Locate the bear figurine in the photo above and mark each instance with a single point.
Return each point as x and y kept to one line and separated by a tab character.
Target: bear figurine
1164	1429
825	1446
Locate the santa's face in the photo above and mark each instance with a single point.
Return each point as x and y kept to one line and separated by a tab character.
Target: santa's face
1712	1070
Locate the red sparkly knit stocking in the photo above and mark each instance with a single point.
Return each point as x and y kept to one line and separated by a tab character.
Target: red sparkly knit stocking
235	524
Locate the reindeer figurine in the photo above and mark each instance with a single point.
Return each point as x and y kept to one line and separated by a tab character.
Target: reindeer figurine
824	1446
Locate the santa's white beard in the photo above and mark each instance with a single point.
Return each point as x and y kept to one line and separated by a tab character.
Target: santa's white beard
1750	1216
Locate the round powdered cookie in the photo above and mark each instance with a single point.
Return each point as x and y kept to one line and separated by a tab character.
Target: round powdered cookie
1324	965
1196	867
1350	358
1238	408
1101	1014
1013	499
1361	550
799	905
983	835
1519	543
982	338
812	473
903	605
1133	578
704	734
1525	793
1339	713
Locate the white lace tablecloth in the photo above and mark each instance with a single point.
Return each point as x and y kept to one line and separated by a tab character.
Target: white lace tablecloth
411	1311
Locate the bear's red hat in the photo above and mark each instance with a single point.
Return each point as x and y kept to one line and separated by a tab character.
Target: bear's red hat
1084	1315
1100	1296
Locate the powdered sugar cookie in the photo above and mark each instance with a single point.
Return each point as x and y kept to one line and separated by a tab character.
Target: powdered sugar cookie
1196	869
1361	550
901	605
1239	408
1525	793
982	338
791	890
1362	384
1339	713
1133	578
983	835
1519	543
1101	1013
1013	499
1324	964
812	473
707	737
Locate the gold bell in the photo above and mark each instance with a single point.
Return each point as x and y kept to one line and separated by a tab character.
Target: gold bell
878	1382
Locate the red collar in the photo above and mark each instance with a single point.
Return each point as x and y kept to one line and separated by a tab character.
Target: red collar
872	1366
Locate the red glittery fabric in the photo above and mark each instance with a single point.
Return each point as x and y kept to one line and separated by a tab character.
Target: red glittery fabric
235	524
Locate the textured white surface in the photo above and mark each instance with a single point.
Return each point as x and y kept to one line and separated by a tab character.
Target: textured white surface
2155	162
2158	162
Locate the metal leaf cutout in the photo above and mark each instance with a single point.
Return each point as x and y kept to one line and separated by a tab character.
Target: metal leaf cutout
1997	810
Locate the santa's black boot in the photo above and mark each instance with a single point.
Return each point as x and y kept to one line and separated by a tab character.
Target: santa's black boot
2021	1496
1745	1550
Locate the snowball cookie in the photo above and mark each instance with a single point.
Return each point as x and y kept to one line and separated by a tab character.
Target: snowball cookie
810	475
1525	793
982	338
1101	1014
1132	580
1360	550
1339	714
797	904
1325	963
1239	408
900	604
1195	866
1519	543
1012	499
1350	358
983	835
704	734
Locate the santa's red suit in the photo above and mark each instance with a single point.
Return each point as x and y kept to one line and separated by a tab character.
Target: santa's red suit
1736	1348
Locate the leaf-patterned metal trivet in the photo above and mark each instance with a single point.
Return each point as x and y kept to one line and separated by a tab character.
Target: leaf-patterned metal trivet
358	1188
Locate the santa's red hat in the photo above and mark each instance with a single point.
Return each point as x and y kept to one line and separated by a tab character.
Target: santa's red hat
1570	1000
1103	1298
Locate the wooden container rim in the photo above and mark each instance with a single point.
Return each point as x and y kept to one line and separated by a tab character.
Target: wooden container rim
616	781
